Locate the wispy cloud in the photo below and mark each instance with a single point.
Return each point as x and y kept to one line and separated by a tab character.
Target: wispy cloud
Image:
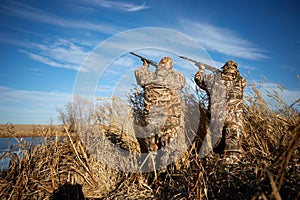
25	11
52	51
222	40
118	5
24	106
49	61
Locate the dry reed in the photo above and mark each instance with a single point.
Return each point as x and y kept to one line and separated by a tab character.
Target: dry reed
63	168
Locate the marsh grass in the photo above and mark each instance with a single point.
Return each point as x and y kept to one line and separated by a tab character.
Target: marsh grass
63	168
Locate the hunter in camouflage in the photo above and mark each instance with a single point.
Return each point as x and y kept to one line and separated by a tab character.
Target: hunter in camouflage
228	87
163	108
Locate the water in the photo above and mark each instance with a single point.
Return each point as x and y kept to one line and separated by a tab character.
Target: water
13	145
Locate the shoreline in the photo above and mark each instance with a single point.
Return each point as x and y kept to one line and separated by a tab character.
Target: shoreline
31	130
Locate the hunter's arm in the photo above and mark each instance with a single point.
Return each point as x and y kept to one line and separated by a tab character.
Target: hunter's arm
143	75
200	78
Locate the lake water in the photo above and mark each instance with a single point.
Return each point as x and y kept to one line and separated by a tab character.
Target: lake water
12	145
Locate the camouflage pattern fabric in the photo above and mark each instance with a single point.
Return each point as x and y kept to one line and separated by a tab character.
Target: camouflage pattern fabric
163	110
216	90
225	89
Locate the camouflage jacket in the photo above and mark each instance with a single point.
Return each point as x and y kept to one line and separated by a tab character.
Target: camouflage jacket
218	88
161	78
163	107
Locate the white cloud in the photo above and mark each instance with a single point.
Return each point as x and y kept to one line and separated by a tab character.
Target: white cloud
24	106
63	51
49	61
222	40
25	11
55	52
119	5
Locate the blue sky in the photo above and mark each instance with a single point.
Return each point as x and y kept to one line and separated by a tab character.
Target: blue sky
47	46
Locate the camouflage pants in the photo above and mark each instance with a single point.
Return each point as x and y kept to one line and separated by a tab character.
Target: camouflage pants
174	149
159	134
166	146
164	128
233	128
162	116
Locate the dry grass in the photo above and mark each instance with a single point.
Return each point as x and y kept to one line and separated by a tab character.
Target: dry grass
61	168
30	130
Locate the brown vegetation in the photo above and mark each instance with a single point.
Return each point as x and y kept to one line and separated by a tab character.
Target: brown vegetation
30	130
62	168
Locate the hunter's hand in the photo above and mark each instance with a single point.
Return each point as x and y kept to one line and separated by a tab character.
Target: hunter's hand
200	73
201	67
145	63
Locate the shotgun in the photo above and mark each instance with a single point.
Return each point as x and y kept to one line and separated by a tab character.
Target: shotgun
151	62
198	64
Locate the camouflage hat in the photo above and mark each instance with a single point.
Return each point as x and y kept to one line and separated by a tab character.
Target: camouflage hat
230	64
166	62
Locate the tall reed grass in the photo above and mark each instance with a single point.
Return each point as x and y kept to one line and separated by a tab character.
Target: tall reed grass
65	168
